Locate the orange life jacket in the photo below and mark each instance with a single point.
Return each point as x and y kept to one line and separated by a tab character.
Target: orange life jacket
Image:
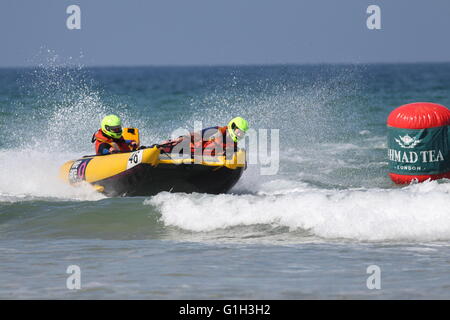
219	141
207	146
118	144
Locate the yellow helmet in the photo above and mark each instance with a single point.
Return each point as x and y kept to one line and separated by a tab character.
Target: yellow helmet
112	126
237	128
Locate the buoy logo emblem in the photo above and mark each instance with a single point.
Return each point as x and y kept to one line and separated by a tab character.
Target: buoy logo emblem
407	142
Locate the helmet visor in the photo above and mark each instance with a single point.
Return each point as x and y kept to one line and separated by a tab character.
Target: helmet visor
238	132
115	129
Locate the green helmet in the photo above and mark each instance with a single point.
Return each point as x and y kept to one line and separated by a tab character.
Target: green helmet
237	128
112	126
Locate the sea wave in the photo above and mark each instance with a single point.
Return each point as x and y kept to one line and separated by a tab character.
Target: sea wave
416	212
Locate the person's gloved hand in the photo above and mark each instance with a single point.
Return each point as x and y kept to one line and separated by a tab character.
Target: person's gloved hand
173	142
112	150
178	140
133	145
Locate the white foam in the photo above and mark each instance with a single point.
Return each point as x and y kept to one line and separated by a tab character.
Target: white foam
417	212
29	174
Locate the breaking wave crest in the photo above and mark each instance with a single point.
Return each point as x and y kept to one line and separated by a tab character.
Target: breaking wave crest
418	212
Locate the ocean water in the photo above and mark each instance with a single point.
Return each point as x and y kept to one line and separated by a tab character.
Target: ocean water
309	231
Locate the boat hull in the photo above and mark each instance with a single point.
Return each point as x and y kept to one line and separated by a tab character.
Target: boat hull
147	172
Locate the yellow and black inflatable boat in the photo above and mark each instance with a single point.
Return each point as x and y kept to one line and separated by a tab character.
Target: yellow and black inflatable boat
146	172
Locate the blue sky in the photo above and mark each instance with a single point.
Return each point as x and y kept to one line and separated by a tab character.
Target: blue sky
211	32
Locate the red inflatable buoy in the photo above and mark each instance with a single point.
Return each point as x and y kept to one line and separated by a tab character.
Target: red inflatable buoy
418	142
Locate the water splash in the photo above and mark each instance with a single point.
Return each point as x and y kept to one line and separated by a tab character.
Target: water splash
53	123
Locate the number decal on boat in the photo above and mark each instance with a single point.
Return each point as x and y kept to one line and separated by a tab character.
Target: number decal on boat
134	159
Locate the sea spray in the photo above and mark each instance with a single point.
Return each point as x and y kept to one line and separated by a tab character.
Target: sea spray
53	123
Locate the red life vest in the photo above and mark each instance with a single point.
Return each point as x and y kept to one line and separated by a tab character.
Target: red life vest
118	144
217	142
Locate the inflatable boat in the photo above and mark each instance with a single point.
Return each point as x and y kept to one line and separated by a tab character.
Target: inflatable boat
148	171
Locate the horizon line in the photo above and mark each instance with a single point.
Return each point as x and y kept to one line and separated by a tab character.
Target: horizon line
200	65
